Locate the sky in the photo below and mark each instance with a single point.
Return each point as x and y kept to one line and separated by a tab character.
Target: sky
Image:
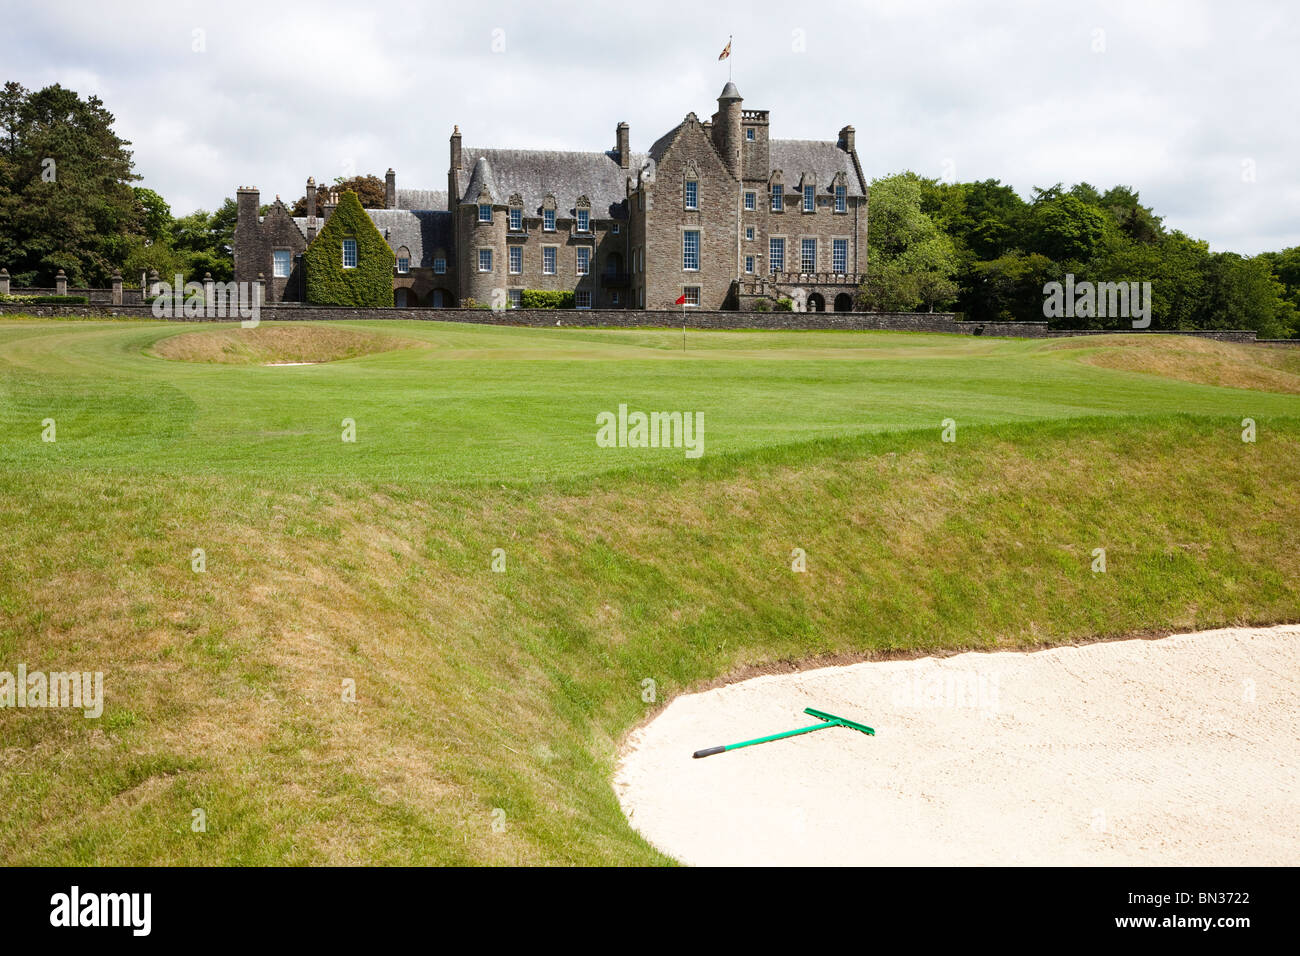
1191	102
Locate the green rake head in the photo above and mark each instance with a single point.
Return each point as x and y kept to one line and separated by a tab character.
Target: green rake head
822	715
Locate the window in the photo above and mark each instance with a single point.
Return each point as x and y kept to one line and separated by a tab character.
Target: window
692	293
614	229
584	260
776	254
403	264
751	199
516	297
484	212
548	261
809	198
349	253
584	220
613	298
749	232
749	133
548	220
282	260
778	197
516	219
582	299
841	199
485	260
749	264
840	255
516	260
808	255
440	266
691	250
692	194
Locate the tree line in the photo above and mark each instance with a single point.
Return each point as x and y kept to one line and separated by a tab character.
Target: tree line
981	249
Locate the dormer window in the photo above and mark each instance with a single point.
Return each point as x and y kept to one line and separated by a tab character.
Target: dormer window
584	220
778	197
403	260
841	199
548	220
516	219
484	212
692	194
809	197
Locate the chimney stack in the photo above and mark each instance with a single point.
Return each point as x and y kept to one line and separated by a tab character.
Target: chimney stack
453	174
390	189
311	208
846	139
622	135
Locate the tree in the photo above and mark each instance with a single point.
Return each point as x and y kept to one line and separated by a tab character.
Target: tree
66	200
371	191
911	260
1066	229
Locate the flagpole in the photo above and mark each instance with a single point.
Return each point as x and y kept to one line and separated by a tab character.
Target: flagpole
683	326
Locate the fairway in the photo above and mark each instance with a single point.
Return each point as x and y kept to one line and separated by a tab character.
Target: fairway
471	403
507	600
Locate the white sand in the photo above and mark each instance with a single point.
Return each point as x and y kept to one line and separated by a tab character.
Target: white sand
1182	751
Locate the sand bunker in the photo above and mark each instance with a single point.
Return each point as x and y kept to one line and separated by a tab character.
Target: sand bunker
1179	751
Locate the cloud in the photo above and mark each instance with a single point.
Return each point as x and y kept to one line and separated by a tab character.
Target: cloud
1173	98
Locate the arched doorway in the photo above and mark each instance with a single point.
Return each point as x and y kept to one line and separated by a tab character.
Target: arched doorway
844	302
403	299
816	303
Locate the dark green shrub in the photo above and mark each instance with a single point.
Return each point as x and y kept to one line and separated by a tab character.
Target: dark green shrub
545	299
784	305
370	284
763	305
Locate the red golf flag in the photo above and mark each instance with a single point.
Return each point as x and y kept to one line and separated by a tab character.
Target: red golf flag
681	299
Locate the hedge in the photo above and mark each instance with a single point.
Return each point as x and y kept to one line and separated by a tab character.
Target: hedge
46	299
545	299
370	284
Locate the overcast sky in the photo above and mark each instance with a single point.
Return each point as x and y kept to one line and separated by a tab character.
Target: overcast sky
1191	102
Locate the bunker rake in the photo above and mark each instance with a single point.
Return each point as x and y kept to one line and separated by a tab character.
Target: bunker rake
830	720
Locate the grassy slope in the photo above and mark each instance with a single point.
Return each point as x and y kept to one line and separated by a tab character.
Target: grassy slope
479	690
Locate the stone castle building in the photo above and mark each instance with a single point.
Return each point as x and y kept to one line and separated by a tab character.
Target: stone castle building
716	211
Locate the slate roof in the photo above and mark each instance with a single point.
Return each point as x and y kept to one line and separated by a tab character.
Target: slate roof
823	159
532	173
422	231
422	199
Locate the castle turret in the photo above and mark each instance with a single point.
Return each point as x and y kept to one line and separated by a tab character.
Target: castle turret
726	127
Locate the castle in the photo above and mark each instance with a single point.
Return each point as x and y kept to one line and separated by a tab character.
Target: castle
716	211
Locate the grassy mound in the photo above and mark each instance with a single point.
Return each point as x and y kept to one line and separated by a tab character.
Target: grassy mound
275	345
1191	359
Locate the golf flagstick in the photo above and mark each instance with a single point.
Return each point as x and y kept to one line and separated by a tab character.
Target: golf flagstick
830	721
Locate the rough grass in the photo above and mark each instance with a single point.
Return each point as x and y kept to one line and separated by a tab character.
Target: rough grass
487	697
272	345
1191	359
